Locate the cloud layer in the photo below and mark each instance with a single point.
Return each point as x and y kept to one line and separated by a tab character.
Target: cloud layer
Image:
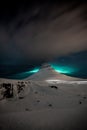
42	32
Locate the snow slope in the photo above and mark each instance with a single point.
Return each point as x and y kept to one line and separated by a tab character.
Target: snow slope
46	108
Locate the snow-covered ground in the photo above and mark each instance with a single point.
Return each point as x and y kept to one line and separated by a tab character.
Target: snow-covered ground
55	81
54	106
46	102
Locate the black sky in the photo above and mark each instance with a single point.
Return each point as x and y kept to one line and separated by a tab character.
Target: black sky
34	32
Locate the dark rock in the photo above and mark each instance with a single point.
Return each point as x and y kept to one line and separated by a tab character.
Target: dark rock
36	92
84	97
80	102
26	109
8	93
50	105
38	100
21	97
54	87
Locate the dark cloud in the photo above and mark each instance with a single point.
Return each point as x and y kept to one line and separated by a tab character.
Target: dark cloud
42	31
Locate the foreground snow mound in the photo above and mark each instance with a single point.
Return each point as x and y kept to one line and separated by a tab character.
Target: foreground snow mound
13	89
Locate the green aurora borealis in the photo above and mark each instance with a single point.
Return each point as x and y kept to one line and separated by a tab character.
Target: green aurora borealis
60	69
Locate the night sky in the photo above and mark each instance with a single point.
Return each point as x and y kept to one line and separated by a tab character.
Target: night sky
33	33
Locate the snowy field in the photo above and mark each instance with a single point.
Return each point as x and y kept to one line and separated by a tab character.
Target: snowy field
45	105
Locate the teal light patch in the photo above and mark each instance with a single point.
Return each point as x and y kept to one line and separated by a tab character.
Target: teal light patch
34	70
26	74
63	69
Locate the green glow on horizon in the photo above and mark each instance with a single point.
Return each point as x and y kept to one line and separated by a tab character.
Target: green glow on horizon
58	68
63	69
27	73
34	70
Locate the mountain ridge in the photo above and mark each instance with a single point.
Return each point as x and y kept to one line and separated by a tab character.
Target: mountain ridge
47	72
